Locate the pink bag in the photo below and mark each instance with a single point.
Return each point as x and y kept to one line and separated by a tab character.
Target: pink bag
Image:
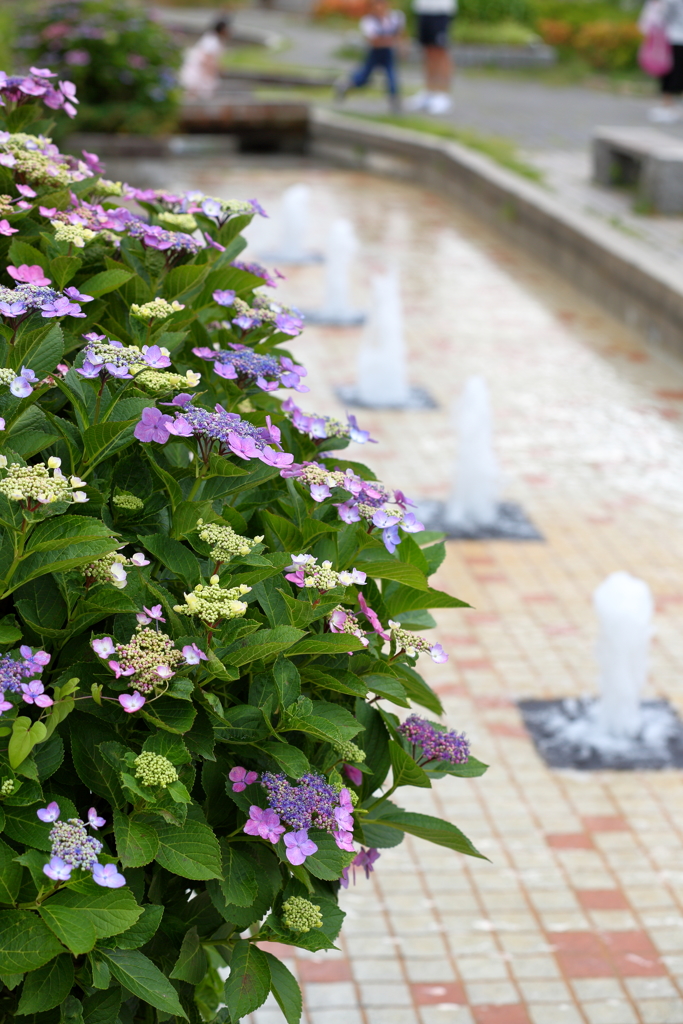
655	55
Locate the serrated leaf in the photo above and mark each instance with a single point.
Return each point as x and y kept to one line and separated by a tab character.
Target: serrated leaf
404	769
104	439
191	965
143	979
405	599
137	844
285	988
106	281
47	987
143	930
263	644
326	643
392	569
191	851
424	826
248	985
10	875
238	883
26	942
175	556
62	543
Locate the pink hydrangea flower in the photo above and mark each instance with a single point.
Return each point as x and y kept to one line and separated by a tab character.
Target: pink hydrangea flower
241	778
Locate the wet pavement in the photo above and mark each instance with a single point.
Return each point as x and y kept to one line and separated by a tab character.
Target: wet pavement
577	918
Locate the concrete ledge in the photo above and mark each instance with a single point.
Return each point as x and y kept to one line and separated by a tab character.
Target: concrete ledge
633	283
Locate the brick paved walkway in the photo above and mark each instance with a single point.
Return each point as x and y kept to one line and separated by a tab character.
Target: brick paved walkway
577	919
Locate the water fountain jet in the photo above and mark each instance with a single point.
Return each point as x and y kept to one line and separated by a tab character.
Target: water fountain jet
474	510
618	729
336	310
382	381
294	220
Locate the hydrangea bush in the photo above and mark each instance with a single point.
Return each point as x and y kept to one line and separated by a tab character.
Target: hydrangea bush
207	614
122	61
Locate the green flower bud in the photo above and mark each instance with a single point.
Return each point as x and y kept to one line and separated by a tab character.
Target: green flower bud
154	770
300	915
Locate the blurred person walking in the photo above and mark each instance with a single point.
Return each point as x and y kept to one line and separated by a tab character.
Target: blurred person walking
383	30
434	19
200	72
661	54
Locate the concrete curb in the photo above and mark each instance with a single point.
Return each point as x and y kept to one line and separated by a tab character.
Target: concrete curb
634	284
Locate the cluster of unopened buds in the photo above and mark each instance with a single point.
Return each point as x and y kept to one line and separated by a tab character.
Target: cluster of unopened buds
111	569
225	543
33	485
370	500
305	572
246	366
320	428
150	656
157	309
14	673
72	847
214	603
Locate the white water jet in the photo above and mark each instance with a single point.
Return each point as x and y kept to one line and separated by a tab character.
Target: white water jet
294	221
624	608
341	248
382	373
473	502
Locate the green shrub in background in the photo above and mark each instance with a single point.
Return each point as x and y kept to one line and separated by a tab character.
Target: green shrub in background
202	604
122	62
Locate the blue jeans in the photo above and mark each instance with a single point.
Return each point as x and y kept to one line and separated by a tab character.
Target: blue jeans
377	57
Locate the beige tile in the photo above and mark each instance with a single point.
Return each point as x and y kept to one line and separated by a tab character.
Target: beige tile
437	969
610	1011
554	1013
496	993
545	991
660	1011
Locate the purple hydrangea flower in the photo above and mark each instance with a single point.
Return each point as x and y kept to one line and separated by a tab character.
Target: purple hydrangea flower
299	846
131	702
58	870
264	823
435	743
107	876
241	778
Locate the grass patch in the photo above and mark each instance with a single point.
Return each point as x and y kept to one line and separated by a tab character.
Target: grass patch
500	33
500	150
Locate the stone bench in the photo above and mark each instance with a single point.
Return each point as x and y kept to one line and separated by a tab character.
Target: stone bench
646	159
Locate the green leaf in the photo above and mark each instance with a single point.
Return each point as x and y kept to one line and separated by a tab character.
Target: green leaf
136	843
143	979
10	875
281	534
102	1007
290	759
62	543
63	268
191	965
386	685
87	742
239	883
417	690
328	722
248	985
472	769
47	987
81	915
40	350
404	769
392	569
175	556
329	861
26	943
143	930
287	681
405	599
424	826
9	630
22	825
191	851
104	439
326	643
71	1011
284	987
106	281
263	644
21	252
183	279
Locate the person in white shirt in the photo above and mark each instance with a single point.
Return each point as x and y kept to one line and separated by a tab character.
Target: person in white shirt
434	19
667	15
200	71
383	30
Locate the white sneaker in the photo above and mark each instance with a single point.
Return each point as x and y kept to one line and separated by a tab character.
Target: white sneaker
419	101
664	115
439	103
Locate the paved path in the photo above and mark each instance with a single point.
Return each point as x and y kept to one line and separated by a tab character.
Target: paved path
577	917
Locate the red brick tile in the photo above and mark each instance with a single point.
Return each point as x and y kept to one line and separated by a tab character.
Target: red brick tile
606	823
634	953
491	577
513	1013
669	414
505	729
483	618
674	395
446	992
324	970
278	949
452	690
493	701
473	664
582	955
602	899
569	841
479	560
637	357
